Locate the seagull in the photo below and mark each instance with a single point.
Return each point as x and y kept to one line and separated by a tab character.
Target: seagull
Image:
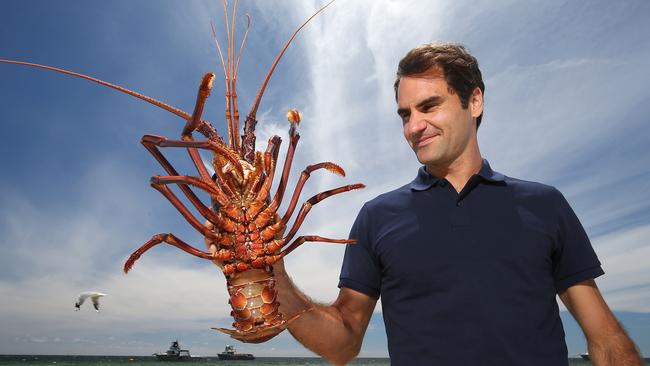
94	296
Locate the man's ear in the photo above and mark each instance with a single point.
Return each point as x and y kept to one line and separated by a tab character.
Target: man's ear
475	102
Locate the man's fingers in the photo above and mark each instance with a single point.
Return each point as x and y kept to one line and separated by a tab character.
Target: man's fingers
212	247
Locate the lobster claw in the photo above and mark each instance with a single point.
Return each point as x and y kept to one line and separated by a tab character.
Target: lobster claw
261	334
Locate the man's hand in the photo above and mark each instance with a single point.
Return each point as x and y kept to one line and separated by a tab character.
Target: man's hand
211	246
344	322
607	341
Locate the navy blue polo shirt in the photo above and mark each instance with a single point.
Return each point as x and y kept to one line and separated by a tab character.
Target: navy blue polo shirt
470	278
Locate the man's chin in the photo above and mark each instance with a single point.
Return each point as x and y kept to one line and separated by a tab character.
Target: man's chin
427	160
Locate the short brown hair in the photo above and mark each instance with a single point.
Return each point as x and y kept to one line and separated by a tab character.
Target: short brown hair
460	68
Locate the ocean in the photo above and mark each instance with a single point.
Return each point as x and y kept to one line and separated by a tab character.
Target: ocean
32	360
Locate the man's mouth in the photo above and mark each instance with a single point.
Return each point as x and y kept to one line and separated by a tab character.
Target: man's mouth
425	140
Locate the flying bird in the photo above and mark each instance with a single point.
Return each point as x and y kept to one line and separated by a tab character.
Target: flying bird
94	296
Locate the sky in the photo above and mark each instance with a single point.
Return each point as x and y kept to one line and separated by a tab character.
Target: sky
566	91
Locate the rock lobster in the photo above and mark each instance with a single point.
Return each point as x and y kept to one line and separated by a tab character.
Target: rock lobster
242	227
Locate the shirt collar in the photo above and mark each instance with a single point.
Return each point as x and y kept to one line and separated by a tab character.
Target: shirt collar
488	174
424	180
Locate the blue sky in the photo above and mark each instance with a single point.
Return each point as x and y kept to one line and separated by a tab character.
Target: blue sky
565	97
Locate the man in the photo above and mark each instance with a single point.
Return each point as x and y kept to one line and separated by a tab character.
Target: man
467	261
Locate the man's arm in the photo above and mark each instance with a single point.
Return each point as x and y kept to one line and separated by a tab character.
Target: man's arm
336	331
607	341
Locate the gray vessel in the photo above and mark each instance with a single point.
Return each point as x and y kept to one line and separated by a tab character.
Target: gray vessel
175	353
230	354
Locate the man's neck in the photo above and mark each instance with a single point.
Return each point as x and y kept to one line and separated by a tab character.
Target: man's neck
458	172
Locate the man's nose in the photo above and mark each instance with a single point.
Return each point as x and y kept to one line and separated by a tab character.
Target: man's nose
416	123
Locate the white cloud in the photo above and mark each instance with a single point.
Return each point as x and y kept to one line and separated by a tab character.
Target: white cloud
564	119
626	283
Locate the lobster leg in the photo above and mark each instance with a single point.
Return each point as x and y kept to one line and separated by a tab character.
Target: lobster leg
306	207
221	179
206	185
301	182
226	206
270	231
270	158
198	163
171	239
269	166
188	215
263	218
192	123
276	245
293	142
255	179
196	202
203	144
302	239
202	96
271	155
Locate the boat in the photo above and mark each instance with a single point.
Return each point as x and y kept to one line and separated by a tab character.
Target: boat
230	354
585	356
175	353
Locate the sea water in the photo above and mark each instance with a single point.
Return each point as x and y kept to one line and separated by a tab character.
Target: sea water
32	360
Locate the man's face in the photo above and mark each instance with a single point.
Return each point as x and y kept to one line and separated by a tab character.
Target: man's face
435	124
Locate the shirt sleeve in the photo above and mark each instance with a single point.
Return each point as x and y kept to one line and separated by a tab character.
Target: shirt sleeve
574	259
360	270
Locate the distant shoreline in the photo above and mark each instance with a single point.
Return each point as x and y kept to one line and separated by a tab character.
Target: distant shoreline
146	356
149	357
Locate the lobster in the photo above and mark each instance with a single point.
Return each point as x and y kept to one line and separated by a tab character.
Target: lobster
242	228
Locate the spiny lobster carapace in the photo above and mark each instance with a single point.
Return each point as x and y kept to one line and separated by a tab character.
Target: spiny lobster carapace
242	223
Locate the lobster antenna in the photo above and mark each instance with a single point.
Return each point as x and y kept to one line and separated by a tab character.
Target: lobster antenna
216	41
204	127
231	46
229	73
248	140
258	98
153	101
225	74
234	82
243	41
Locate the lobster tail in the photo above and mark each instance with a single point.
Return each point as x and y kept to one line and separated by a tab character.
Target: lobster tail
255	310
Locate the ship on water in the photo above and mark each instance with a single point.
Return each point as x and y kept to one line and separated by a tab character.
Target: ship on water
175	353
585	356
230	354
